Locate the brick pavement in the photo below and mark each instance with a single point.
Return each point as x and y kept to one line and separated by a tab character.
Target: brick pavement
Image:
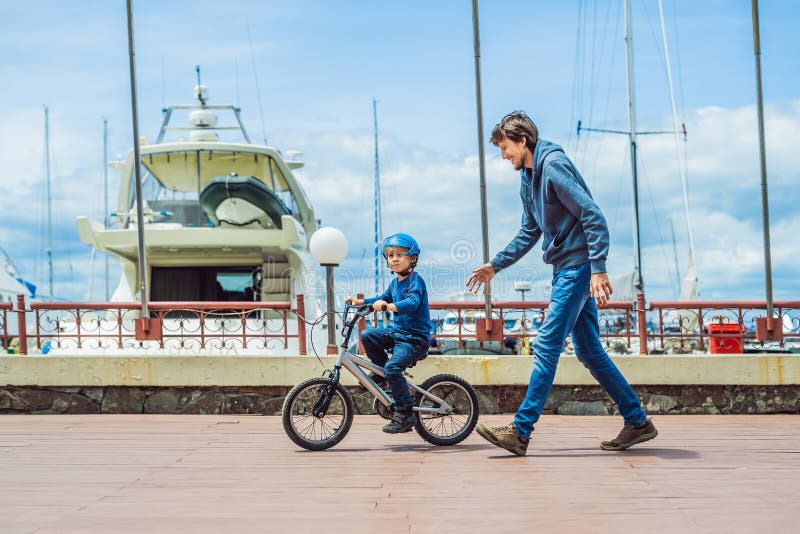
157	473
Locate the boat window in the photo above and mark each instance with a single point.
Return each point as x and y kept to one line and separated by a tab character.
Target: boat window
181	176
209	284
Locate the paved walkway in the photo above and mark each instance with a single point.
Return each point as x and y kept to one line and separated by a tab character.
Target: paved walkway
107	473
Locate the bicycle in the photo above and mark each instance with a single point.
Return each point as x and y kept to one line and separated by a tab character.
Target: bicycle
318	413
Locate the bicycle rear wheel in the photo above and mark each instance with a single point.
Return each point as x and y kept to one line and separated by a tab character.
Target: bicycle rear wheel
452	428
312	432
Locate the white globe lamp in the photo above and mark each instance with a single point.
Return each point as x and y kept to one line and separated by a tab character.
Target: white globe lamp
329	247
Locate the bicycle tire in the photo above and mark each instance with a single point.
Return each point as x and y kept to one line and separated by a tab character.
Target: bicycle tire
309	431
464	400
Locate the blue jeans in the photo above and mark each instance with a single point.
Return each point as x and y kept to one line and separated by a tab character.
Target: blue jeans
573	310
406	351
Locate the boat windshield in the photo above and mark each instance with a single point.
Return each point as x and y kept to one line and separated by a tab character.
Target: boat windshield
172	181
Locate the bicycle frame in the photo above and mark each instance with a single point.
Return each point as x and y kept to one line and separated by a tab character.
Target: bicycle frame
356	365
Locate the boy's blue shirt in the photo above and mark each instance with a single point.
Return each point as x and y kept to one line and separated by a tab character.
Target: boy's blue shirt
557	205
411	298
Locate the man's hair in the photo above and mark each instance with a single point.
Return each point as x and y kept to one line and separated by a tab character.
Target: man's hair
516	126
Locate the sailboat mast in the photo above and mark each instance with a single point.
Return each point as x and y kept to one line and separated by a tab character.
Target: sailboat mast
637	281
49	200
105	191
378	229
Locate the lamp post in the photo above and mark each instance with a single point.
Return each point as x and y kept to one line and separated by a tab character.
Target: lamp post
522	286
328	245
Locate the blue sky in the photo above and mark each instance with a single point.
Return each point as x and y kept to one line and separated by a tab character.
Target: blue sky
320	63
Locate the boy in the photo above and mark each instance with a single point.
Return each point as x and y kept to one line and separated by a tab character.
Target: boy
408	339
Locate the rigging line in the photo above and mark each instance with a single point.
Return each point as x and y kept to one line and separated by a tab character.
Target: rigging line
258	87
604	40
678	58
646	179
619	191
236	74
582	66
586	88
684	179
574	80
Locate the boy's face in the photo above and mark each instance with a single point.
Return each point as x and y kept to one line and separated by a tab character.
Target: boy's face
398	263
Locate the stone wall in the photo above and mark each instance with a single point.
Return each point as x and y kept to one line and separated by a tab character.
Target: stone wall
267	400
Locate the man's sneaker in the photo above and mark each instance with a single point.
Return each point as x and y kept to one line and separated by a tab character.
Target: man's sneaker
403	420
631	435
505	437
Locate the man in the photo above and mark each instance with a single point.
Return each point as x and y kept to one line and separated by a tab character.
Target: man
557	206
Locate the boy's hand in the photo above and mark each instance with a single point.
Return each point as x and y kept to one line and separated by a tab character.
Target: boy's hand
480	276
382	305
354	301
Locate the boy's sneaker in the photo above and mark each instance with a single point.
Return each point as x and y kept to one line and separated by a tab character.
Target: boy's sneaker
505	437
403	420
631	435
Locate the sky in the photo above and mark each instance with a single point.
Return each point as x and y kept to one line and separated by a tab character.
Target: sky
305	73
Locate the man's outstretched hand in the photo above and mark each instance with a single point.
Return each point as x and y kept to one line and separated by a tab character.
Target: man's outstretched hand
479	277
601	288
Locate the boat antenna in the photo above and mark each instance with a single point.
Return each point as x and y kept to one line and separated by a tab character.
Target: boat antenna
378	221
49	250
199	93
258	87
105	192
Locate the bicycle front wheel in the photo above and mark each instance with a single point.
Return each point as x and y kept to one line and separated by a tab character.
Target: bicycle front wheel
312	432
452	428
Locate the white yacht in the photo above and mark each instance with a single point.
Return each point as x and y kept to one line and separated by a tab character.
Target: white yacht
223	221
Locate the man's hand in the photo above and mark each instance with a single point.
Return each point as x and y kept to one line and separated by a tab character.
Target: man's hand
479	277
601	288
354	301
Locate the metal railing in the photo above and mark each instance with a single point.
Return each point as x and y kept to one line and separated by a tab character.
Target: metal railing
728	326
202	326
5	307
625	327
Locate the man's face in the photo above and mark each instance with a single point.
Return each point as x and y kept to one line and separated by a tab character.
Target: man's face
513	151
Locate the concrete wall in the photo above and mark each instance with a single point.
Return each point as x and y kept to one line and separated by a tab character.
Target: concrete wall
241	384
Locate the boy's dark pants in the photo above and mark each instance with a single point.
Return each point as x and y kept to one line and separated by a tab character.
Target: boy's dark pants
406	351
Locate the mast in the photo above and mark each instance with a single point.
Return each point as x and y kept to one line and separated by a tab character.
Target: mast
105	191
49	249
763	161
137	169
476	35
638	282
378	229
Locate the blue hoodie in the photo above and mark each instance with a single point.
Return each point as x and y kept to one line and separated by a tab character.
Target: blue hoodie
557	204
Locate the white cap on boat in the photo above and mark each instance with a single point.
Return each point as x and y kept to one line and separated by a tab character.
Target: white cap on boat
201	93
203	135
203	118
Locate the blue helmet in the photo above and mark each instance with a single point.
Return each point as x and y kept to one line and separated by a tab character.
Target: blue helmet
401	240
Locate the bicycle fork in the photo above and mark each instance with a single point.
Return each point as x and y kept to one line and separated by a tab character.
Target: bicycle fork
326	395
